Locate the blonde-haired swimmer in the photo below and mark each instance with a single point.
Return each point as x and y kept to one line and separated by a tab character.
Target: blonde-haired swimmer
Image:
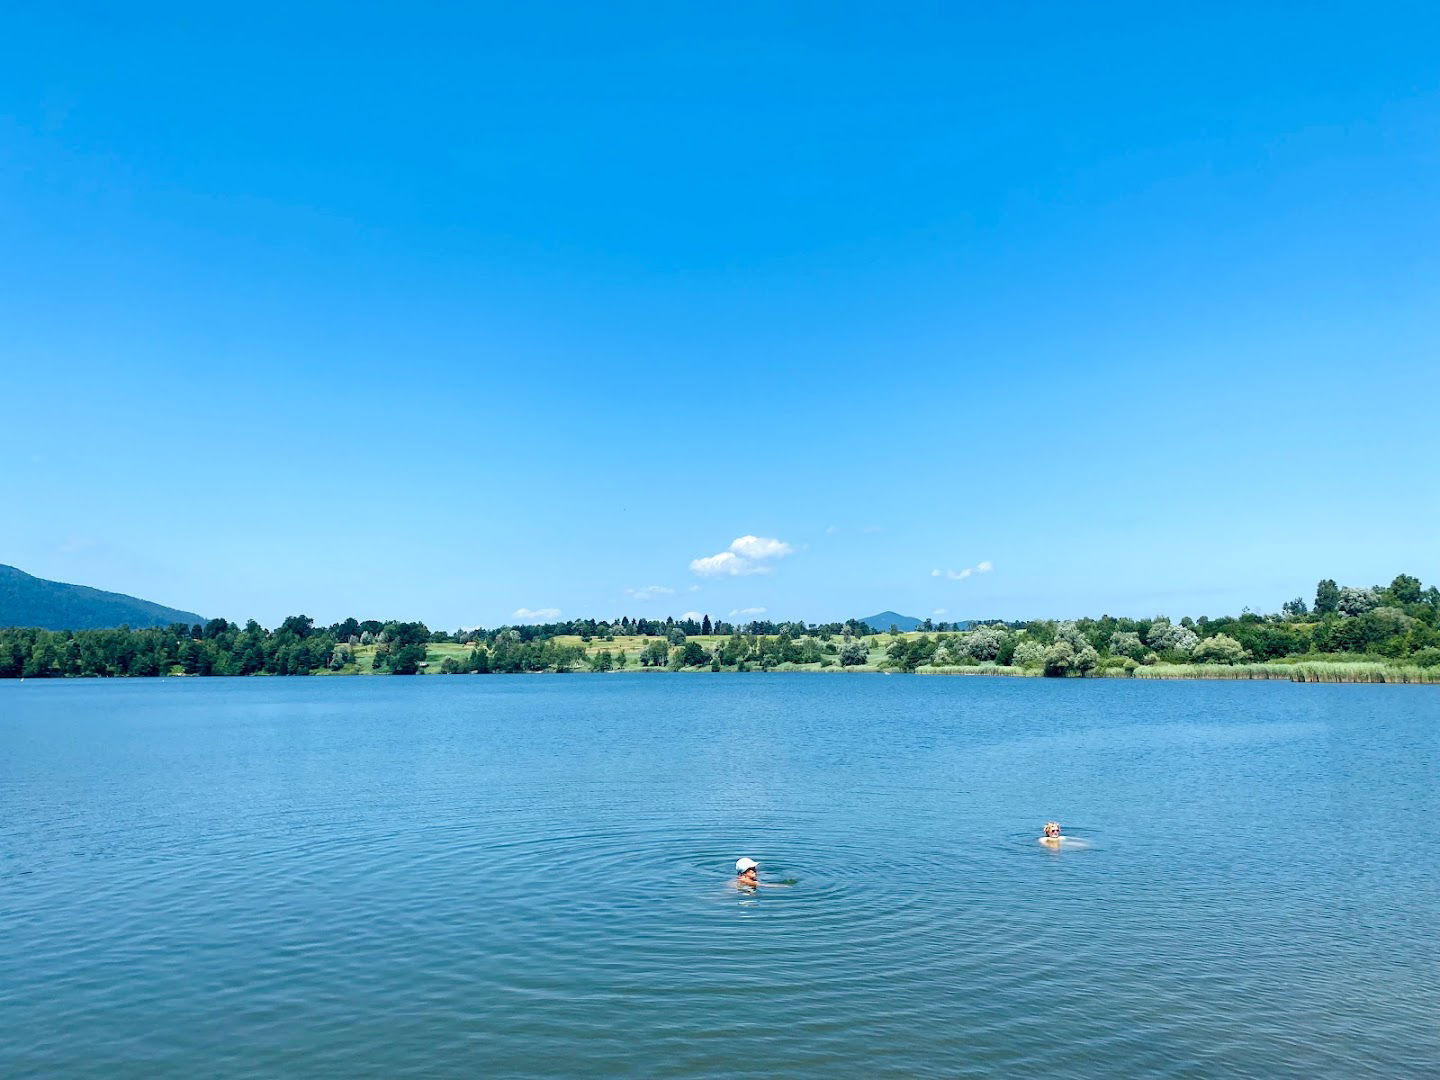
1052	834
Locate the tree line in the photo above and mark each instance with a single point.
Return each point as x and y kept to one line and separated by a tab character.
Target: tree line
1398	622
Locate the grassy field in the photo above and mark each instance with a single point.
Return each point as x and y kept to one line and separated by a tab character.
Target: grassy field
1291	669
631	645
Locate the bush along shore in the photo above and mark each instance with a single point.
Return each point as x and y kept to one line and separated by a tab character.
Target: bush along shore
1382	634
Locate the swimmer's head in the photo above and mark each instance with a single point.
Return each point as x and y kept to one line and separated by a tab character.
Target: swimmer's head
1052	828
743	866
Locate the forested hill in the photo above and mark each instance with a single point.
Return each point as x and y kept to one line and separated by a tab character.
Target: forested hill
26	600
886	619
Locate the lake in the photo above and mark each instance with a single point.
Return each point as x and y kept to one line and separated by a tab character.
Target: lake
530	876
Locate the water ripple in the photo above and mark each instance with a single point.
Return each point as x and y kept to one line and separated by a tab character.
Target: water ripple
532	878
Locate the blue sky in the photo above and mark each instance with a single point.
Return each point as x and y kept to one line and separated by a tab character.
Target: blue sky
449	312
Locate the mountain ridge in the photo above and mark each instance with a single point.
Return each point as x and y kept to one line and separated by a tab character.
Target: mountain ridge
887	619
26	600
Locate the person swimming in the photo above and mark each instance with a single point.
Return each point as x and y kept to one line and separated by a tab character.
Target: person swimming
1052	834
747	876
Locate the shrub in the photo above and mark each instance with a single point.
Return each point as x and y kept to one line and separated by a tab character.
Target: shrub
1164	636
1126	643
1029	654
982	643
1220	649
1064	658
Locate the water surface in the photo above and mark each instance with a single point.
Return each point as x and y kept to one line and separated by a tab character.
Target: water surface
528	876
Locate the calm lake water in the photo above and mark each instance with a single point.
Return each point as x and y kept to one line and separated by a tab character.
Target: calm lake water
529	876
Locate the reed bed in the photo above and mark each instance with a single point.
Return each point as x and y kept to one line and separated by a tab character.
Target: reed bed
980	669
1315	671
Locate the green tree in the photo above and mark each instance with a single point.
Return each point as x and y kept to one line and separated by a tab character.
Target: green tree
406	659
1405	589
1028	654
1126	643
1327	597
1220	649
1355	601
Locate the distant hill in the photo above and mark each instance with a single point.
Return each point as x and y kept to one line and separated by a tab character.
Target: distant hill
30	601
887	619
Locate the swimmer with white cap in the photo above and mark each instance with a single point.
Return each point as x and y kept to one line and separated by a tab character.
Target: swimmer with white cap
747	876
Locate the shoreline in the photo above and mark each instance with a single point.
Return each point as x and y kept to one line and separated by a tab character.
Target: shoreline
1293	673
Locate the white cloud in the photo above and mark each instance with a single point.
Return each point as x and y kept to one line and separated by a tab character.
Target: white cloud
528	615
939	611
961	575
649	592
692	615
760	547
727	562
748	611
746	555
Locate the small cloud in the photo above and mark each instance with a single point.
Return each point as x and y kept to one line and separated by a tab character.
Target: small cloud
745	555
77	543
832	530
760	547
871	530
649	592
748	611
961	575
527	615
939	611
727	562
693	615
693	588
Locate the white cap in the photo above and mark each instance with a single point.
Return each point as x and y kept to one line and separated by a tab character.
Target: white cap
741	865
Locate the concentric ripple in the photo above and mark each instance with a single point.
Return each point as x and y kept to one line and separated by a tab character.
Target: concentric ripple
533	877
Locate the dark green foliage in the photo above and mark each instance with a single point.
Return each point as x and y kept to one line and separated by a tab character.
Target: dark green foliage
406	659
1400	621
